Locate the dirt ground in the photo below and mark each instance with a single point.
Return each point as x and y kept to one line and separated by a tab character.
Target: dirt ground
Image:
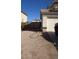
34	46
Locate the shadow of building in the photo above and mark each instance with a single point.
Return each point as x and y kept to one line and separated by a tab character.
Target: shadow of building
51	37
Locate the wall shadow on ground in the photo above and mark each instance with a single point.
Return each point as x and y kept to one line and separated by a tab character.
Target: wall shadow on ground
51	37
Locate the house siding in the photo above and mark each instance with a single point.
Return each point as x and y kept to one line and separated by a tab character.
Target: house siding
23	18
50	24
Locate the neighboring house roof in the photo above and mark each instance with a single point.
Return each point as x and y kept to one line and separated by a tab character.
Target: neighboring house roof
53	2
51	11
53	6
47	12
36	21
23	13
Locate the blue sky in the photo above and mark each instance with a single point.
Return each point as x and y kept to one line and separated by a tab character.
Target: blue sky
32	7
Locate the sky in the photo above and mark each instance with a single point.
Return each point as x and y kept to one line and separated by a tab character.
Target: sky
32	7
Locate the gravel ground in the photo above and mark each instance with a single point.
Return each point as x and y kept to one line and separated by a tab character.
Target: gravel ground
34	46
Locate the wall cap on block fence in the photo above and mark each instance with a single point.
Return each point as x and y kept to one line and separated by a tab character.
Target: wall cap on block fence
44	27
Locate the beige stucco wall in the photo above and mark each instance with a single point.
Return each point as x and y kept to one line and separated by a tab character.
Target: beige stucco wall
44	22
49	23
23	18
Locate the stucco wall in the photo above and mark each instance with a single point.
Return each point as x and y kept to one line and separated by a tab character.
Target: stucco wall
23	18
48	23
51	23
44	23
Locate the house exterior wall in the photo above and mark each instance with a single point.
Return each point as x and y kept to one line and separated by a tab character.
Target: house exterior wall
23	18
44	23
51	23
49	17
48	23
